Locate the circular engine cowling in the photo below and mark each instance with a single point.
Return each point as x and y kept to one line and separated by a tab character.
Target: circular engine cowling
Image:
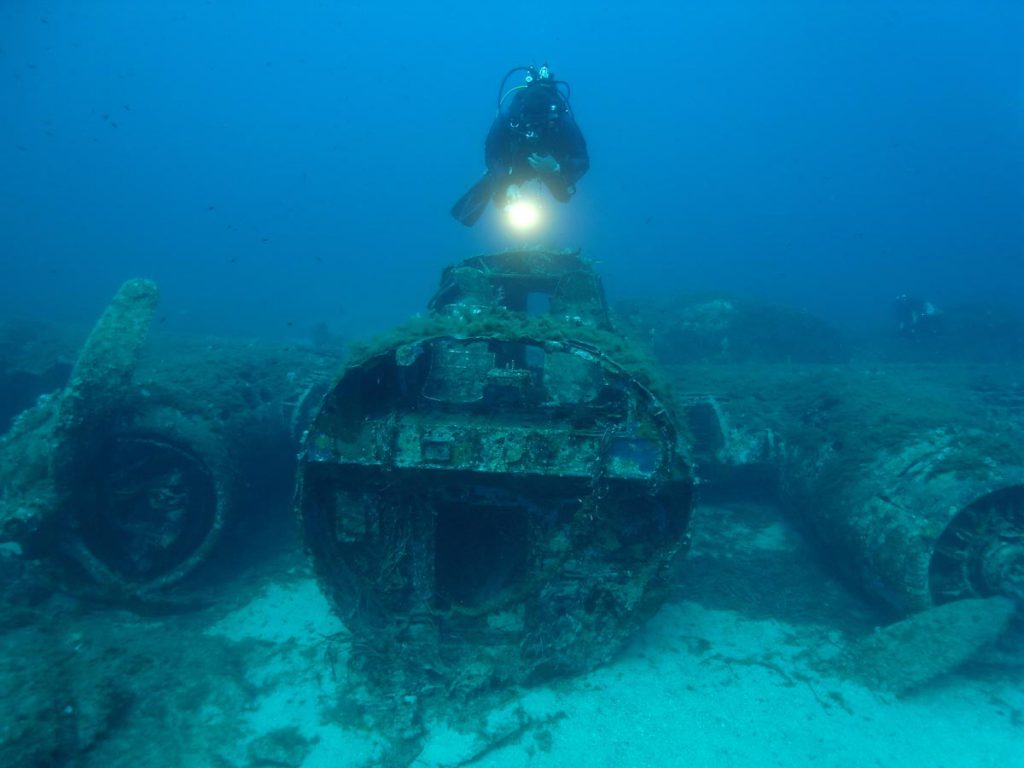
153	504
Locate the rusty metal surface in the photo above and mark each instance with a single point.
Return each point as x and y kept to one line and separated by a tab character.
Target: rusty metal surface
486	508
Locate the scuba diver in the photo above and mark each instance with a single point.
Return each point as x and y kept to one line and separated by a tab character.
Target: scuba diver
534	136
916	316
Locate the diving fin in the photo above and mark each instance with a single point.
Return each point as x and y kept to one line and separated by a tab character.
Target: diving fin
471	205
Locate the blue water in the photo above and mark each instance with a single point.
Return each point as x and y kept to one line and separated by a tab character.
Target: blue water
274	166
282	167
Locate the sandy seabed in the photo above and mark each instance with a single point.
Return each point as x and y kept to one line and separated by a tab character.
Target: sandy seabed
728	673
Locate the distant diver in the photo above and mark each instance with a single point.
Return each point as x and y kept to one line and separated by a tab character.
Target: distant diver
534	136
916	316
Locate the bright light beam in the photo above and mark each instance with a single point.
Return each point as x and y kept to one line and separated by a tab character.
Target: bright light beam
523	214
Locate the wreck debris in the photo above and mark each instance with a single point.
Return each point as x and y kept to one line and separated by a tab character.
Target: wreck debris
910	477
931	519
904	656
155	452
102	376
727	330
52	448
493	495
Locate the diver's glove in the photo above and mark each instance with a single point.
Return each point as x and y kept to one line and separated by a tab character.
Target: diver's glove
512	193
544	164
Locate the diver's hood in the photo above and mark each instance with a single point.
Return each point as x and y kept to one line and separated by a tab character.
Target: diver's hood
539	104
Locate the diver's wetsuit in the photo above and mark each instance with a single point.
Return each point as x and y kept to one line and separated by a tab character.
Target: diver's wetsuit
537	121
514	137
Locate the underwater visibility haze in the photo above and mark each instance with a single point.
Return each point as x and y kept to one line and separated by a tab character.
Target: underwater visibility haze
259	161
720	460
